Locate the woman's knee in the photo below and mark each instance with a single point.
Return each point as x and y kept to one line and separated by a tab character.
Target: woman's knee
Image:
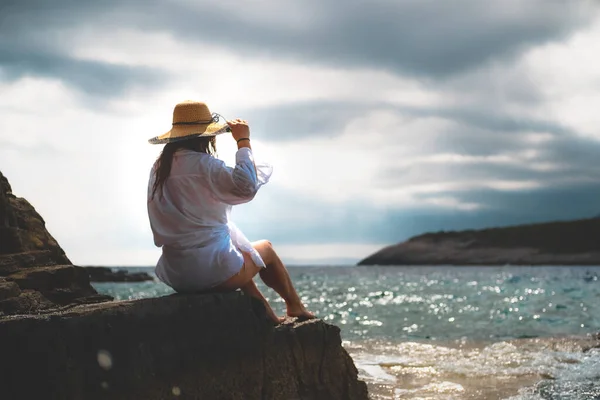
263	244
265	249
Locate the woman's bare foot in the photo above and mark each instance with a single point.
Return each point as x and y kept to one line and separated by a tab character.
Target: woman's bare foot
273	317
300	312
277	320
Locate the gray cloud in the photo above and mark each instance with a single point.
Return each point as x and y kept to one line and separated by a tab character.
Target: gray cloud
318	118
32	43
295	121
423	38
366	223
91	77
504	155
569	201
574	151
563	164
495	146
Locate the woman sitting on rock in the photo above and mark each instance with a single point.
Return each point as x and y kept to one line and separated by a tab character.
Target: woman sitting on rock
190	194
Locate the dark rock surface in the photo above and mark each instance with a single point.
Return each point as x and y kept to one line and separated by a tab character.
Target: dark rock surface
105	274
210	346
60	339
32	260
554	243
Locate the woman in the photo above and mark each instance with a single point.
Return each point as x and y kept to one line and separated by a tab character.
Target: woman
190	194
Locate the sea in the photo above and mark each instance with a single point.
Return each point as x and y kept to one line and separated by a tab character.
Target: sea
451	332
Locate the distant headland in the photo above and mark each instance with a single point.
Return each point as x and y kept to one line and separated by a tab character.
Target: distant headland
574	242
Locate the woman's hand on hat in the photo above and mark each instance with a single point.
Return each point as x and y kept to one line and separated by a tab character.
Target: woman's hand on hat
239	129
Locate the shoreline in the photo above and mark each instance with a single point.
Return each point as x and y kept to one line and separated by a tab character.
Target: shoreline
504	368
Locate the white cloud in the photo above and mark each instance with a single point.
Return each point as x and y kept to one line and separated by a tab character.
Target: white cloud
567	75
350	166
453	203
84	164
326	253
346	166
230	81
513	185
74	165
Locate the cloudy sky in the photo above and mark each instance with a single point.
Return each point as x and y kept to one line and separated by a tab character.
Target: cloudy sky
383	119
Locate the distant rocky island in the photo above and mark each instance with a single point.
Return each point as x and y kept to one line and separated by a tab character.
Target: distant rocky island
574	242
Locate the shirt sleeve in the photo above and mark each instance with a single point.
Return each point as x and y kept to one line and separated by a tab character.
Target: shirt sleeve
239	184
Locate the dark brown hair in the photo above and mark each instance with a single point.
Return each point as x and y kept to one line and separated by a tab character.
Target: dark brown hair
162	166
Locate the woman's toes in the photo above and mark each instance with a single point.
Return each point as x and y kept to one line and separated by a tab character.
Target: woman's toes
307	315
276	319
302	314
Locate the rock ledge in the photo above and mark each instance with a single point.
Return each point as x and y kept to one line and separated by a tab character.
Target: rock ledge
210	346
60	339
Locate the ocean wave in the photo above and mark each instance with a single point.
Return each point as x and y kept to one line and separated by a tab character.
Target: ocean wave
520	369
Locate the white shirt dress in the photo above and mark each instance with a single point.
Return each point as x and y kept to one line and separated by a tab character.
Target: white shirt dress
189	217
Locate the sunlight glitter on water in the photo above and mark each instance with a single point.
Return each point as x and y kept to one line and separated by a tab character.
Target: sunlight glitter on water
436	302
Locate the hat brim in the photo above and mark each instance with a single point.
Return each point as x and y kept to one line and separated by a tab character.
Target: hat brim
184	132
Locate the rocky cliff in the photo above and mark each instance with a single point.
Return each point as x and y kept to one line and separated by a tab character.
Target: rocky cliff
35	273
59	339
553	243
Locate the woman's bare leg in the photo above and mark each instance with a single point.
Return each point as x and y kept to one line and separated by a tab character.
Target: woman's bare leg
244	280
277	278
252	290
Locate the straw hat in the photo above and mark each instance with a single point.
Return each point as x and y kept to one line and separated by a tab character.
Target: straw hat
192	119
